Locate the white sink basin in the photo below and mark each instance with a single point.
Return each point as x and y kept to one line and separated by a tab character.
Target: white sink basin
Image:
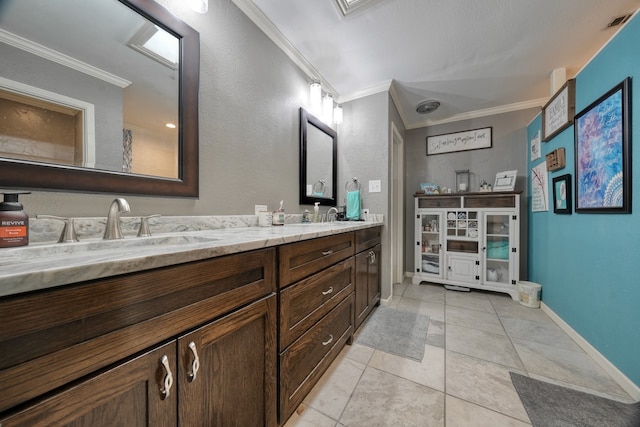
95	245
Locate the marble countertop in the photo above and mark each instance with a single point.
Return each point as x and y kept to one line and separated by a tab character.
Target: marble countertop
35	267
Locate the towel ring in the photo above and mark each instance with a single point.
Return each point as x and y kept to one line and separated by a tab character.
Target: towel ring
318	188
355	185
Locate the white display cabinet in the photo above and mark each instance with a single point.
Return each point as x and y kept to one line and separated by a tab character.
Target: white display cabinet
469	240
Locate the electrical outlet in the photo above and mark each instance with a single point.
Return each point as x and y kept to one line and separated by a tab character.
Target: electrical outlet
259	208
375	186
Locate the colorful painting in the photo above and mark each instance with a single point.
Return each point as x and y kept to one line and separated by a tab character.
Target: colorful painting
602	157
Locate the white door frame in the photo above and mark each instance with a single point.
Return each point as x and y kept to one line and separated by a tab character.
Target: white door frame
397	207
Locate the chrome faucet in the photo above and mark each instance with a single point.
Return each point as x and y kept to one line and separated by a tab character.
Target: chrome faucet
112	230
335	213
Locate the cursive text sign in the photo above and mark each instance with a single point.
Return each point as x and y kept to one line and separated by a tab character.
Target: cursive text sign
459	141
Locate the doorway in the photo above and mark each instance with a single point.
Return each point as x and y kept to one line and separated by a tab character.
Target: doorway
397	207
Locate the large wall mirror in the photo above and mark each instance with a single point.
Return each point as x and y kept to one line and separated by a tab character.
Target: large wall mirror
318	161
98	96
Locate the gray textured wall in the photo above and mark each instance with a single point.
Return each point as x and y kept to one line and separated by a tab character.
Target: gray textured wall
509	151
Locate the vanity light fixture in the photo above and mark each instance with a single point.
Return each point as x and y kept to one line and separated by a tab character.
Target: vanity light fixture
315	94
170	125
200	6
337	114
327	108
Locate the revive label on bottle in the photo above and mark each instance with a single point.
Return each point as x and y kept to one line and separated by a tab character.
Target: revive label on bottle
14	222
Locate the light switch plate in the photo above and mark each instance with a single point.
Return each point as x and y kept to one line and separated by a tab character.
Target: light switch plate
375	186
260	208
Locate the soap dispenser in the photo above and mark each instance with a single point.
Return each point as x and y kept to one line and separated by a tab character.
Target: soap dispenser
14	222
316	212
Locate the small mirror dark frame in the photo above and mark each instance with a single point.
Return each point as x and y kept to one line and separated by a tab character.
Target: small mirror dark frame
308	119
34	175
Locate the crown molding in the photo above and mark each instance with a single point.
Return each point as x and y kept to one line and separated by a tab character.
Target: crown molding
371	90
502	109
60	58
261	21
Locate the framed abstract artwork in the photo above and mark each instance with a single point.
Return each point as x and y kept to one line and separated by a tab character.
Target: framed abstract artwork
602	138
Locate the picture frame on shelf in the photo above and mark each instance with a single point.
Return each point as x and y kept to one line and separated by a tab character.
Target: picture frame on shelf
562	194
505	181
602	139
558	113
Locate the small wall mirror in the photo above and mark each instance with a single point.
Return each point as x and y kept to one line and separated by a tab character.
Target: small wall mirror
98	96
318	161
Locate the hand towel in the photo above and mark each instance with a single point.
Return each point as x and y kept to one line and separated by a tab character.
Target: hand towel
353	205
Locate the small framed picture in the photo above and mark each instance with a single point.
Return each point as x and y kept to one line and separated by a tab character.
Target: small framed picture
562	194
505	181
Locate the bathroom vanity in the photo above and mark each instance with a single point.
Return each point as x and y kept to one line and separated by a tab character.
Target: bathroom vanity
181	333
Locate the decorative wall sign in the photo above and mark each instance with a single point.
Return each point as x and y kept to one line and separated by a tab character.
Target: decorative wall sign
557	114
603	161
459	141
539	188
556	159
562	194
535	147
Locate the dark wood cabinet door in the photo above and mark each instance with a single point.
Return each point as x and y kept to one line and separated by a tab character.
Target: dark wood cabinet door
233	382
131	394
367	287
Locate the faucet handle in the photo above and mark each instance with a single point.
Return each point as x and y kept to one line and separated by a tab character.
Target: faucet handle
144	230
68	234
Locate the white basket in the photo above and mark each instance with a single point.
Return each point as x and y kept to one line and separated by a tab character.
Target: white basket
529	294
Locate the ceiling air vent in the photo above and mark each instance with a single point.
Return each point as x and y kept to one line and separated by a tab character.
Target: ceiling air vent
619	20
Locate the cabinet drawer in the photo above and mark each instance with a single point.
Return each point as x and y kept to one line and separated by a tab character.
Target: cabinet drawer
304	362
368	238
490	201
439	202
307	301
50	338
302	259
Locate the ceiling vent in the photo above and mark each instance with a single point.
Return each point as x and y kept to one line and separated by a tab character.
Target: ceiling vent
428	106
619	20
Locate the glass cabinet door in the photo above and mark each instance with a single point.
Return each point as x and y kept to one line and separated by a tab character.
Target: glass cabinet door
497	248
429	241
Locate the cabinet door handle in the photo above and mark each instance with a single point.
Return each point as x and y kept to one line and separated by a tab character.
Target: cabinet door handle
167	381
372	257
328	291
329	341
195	365
329	252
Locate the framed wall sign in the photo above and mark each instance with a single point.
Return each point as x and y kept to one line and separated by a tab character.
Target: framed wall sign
557	114
562	194
459	141
602	138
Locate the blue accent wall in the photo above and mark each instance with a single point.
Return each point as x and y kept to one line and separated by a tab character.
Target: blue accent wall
589	264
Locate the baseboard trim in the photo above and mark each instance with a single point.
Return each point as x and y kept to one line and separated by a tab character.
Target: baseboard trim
616	374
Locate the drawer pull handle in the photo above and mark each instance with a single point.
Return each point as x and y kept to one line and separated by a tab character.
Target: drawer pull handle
195	365
167	382
329	252
329	341
328	291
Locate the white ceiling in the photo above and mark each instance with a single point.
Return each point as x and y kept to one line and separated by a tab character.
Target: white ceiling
476	57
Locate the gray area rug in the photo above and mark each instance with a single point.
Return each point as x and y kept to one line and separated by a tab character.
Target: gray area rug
395	331
550	405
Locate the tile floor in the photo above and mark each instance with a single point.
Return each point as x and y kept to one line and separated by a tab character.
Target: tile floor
475	338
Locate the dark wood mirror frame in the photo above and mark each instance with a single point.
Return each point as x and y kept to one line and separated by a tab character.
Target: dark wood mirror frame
42	176
307	119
